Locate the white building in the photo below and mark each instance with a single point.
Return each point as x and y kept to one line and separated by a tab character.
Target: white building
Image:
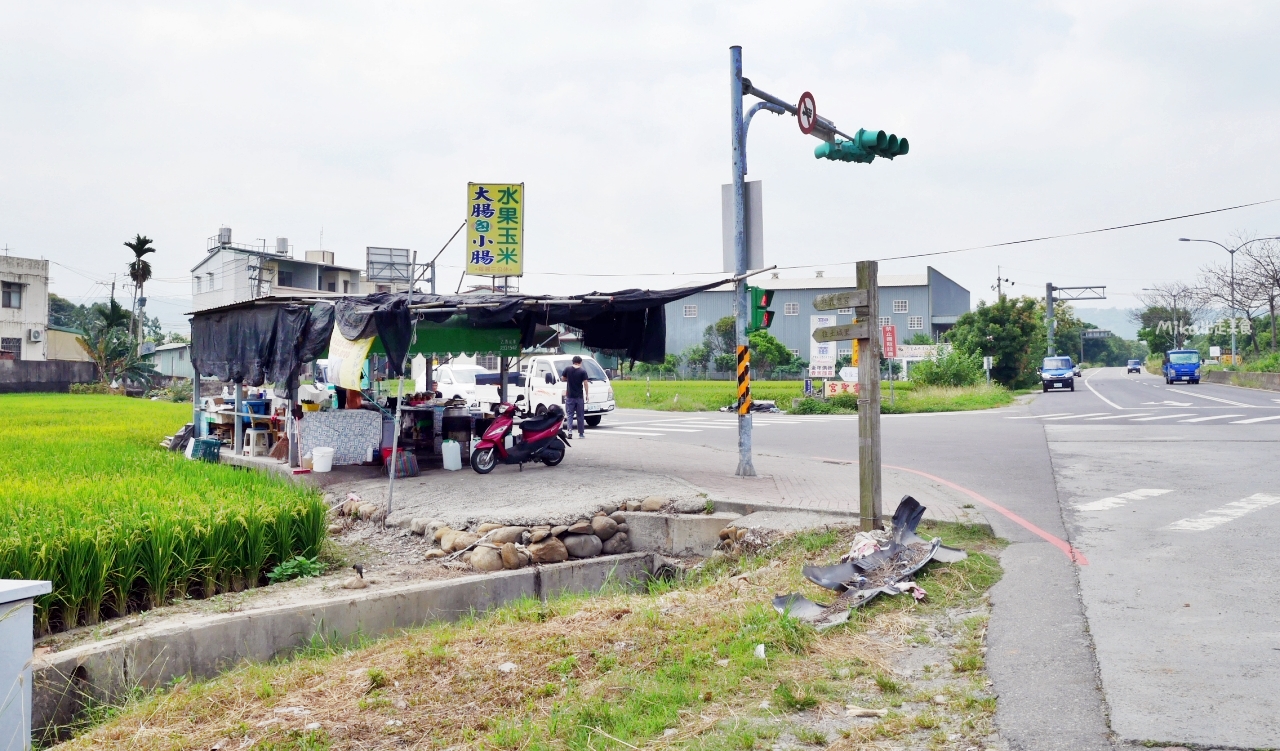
234	272
24	308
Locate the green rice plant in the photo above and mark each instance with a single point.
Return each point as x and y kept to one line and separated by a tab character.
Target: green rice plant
126	567
217	546
159	548
90	502
186	558
282	534
255	548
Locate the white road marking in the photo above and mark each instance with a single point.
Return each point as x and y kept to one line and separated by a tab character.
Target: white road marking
1210	398
1211	417
1110	403
1120	500
1086	414
1117	417
1171	404
1222	515
1033	417
1162	417
1256	419
616	431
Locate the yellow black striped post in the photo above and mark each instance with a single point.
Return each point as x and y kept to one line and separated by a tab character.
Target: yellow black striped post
744	380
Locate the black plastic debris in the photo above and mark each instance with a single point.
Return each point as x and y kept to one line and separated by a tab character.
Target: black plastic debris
874	566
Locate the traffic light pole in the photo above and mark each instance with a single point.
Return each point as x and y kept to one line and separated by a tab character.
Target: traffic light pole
741	305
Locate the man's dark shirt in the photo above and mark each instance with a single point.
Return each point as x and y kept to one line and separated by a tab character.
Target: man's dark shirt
574	378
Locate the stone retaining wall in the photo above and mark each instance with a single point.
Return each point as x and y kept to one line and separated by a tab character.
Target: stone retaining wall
1269	381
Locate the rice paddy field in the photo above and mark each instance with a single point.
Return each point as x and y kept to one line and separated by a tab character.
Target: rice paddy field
90	501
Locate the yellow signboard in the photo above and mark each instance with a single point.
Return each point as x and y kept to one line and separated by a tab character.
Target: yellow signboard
495	229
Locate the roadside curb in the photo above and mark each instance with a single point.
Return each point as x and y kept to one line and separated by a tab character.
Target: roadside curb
103	671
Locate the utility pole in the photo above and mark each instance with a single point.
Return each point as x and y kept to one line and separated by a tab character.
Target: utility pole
741	311
1232	251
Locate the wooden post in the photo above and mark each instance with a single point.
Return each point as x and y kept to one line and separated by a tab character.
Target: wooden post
870	513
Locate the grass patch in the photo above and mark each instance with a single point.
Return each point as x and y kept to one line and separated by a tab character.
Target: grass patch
92	503
698	396
675	664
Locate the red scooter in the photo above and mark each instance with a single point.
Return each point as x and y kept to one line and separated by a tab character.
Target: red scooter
541	439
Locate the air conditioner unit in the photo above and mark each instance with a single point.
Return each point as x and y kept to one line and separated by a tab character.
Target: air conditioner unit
35	335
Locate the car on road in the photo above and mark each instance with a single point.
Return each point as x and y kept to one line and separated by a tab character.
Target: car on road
1134	366
1057	373
1182	365
1075	371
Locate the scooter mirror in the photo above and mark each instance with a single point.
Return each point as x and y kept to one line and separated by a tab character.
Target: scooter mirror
520	397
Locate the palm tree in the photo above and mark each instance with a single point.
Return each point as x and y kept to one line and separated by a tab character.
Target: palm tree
139	269
111	349
114	316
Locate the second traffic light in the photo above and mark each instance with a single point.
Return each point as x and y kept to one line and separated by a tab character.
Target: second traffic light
864	148
761	316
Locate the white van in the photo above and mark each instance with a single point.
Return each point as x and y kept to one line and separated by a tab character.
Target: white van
543	386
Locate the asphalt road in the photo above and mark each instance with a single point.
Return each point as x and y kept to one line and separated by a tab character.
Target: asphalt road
1163	627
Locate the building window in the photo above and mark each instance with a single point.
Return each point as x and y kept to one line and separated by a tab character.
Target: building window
11	297
198	285
182	355
346	286
844	351
791	309
333	286
691	311
886	320
915	322
286	279
844	311
794	352
488	361
10	348
384	287
899	306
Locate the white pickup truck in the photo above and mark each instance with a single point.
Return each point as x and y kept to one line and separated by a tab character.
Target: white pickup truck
542	386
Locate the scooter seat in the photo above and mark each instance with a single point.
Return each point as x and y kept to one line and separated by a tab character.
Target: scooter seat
554	414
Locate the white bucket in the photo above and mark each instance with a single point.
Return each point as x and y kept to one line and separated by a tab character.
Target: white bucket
321	459
452	454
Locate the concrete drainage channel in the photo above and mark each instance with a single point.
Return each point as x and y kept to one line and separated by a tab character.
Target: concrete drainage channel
105	670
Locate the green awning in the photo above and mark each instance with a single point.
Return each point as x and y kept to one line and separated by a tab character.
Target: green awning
456	336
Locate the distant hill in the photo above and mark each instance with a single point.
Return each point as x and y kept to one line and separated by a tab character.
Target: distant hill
1116	320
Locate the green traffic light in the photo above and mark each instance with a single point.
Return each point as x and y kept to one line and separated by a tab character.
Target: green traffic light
865	146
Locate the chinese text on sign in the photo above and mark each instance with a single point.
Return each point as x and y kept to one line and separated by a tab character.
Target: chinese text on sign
495	229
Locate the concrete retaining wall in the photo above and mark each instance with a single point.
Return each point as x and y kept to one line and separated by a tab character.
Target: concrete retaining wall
44	375
1269	381
209	645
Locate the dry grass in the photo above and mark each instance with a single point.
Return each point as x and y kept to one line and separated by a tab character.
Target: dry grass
675	666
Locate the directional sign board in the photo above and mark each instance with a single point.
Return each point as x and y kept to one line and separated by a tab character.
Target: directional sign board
843	332
807	113
856	298
1096	333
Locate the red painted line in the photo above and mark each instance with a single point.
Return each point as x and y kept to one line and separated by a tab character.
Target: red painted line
1071	553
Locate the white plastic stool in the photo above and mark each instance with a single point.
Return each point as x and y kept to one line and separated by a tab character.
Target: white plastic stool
255	442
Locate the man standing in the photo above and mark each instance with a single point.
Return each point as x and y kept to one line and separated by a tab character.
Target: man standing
575	394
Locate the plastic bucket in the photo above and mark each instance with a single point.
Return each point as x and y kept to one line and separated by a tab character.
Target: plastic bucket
452	454
321	459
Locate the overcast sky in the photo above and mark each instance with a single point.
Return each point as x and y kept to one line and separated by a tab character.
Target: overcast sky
366	120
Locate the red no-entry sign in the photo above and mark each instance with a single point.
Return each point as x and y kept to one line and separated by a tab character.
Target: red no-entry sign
807	113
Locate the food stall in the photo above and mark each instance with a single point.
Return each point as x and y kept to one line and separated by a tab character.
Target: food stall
337	366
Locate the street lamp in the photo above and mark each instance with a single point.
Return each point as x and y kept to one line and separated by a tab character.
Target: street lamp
1176	326
1232	251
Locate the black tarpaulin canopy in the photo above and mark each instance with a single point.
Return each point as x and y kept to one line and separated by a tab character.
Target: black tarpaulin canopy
267	340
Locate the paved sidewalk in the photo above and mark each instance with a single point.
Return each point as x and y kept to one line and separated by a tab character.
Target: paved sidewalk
605	473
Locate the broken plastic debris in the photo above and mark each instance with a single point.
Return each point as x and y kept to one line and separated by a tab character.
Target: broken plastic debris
507	667
854	711
311	726
722	663
760	651
870	569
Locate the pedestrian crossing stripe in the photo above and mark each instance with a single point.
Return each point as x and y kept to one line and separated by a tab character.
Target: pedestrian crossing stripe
1120	500
1223	514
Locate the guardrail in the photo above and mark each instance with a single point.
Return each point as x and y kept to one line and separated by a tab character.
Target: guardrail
1247	379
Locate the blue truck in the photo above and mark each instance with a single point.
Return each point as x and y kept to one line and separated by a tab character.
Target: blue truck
1057	373
1182	365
